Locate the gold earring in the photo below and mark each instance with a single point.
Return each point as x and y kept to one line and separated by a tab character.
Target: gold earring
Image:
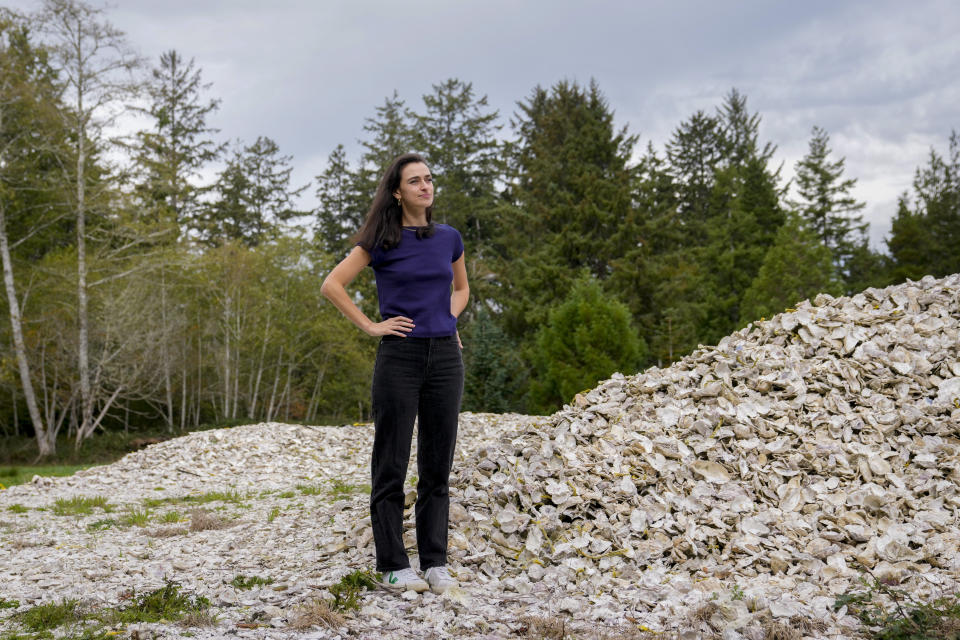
398	203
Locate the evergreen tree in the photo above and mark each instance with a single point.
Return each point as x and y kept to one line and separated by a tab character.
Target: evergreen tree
744	215
391	134
457	134
924	238
171	155
910	244
587	337
572	191
494	371
336	220
826	203
254	196
694	153
795	268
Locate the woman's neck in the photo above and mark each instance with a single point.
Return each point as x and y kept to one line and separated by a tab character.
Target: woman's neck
414	218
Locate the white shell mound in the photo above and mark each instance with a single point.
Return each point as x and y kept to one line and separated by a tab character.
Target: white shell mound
760	478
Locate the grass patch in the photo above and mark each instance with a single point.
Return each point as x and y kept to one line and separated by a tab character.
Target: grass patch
12	475
136	518
889	613
166	603
310	489
171	517
101	525
341	490
80	505
45	617
18	508
317	613
249	582
9	604
213	496
346	593
201	520
273	514
286	494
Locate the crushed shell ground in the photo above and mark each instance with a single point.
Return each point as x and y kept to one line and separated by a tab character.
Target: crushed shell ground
735	494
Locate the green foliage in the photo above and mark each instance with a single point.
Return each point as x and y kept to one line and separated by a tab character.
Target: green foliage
18	508
890	613
170	155
587	337
341	490
926	230
101	525
795	268
166	603
494	372
249	582
136	518
273	514
80	505
45	617
826	204
8	604
310	490
346	593
571	188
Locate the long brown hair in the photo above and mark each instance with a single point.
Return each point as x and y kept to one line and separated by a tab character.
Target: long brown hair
383	226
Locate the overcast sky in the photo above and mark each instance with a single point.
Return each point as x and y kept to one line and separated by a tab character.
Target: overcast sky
881	76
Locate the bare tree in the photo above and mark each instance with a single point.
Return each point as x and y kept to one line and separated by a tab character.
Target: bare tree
96	67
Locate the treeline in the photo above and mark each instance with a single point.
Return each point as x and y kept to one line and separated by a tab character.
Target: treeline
137	294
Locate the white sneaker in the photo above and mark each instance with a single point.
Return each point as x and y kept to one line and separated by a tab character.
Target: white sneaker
403	580
439	579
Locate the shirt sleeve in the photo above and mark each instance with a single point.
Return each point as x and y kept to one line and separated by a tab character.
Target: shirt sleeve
457	246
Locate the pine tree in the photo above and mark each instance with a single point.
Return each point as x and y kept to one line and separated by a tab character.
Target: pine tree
744	214
457	133
572	190
172	153
795	268
336	219
694	153
924	238
586	338
254	196
827	205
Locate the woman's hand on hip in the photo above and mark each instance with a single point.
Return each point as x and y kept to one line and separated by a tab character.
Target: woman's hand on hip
396	326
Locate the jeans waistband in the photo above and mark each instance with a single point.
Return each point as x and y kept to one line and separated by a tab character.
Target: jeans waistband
417	339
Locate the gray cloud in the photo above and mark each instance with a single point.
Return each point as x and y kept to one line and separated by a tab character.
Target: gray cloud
878	76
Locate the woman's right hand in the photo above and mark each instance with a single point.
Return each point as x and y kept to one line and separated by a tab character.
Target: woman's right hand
396	326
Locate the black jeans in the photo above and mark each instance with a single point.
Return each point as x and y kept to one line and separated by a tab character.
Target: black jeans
414	378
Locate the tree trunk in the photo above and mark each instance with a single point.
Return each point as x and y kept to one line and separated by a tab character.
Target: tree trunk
83	342
168	388
45	446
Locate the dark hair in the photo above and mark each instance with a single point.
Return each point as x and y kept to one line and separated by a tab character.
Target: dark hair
383	226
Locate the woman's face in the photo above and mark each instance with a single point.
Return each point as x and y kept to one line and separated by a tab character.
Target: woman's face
416	186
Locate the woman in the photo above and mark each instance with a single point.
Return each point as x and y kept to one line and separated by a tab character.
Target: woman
419	369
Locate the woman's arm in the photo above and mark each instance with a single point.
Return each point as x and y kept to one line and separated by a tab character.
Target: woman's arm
334	288
461	291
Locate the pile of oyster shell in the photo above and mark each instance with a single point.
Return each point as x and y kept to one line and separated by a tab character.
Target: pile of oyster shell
798	455
746	486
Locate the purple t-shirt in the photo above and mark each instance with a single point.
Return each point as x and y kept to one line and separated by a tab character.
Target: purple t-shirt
414	278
